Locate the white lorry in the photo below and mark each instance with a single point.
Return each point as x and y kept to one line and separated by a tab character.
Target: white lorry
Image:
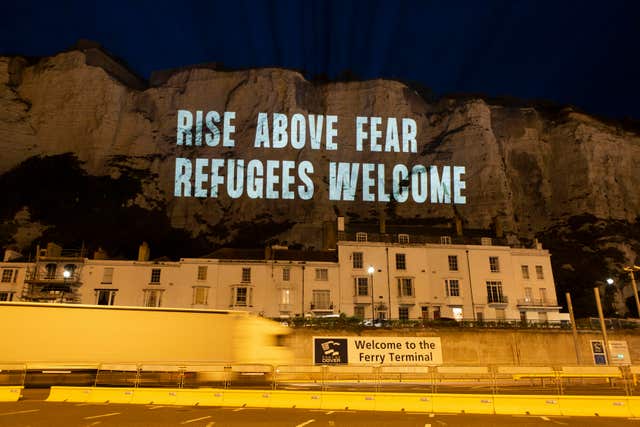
48	336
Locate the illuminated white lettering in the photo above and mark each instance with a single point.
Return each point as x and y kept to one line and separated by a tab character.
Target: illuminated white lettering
375	133
343	179
383	196
198	128
228	129
262	131
361	135
211	118
304	169
185	122
272	179
367	182
409	132
458	185
287	179
315	130
332	132
235	178
254	179
392	143
400	183
419	183
216	179
200	177
279	139
440	189
182	185
298	131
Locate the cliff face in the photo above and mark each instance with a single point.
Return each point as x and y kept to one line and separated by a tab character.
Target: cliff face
526	171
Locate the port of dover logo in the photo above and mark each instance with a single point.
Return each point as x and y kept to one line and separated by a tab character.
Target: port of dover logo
331	351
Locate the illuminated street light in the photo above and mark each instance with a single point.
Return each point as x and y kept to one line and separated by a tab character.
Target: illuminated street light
609	281
370	270
630	270
66	274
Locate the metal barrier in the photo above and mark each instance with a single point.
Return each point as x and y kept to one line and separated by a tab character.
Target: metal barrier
480	380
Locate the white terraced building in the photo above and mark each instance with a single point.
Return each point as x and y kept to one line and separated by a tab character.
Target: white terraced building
387	276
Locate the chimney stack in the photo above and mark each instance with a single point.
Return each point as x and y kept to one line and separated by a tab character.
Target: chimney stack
144	252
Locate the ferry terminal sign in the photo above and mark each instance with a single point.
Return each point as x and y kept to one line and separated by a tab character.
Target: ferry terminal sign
386	351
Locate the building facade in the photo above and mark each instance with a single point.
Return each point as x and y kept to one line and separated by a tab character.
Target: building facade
392	278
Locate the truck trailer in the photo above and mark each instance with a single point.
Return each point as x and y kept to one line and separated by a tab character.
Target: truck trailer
54	334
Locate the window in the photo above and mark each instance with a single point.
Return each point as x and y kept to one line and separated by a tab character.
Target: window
457	314
436	313
494	292
357	259
403	313
543	295
51	271
200	295
321	300
539	272
452	287
401	262
362	286
106	296
286	274
155	278
361	237
500	314
405	287
485	241
494	264
152	297
358	311
285	296
6	296
322	274
424	312
107	275
453	263
246	275
202	272
403	238
445	240
525	271
7	275
242	296
528	294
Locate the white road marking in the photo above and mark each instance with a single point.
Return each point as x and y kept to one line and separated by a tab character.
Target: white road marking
432	415
103	415
545	418
427	425
95	423
306	422
195	419
330	412
209	424
559	422
157	407
19	412
442	423
238	409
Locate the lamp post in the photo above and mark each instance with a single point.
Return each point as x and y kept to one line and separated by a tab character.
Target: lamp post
631	270
370	270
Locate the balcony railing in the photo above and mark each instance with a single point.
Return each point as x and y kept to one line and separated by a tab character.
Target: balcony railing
497	299
44	276
537	302
321	306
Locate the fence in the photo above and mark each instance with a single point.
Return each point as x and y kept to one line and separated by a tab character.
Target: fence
491	380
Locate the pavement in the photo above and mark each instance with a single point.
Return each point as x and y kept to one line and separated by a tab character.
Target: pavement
33	411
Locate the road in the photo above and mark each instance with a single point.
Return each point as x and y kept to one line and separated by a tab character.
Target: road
34	412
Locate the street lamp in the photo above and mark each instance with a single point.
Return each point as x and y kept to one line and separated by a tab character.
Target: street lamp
630	270
370	270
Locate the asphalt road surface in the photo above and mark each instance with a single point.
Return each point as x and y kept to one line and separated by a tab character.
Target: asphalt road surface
34	412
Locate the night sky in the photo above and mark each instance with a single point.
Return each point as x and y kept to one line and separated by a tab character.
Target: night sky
583	53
